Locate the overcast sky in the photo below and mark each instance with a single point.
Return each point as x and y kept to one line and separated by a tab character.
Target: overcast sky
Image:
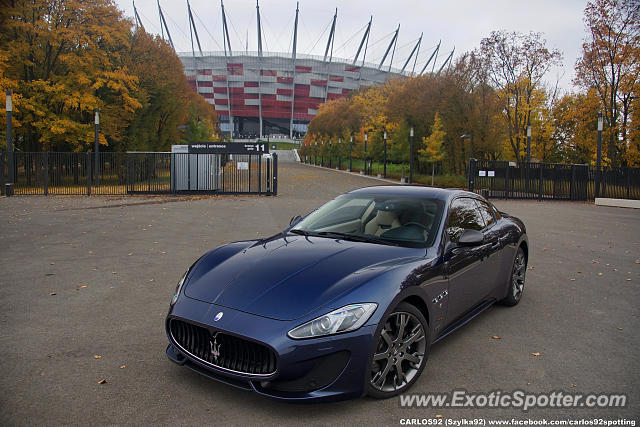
458	23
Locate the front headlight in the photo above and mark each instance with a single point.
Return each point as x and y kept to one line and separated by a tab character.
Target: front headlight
345	319
178	287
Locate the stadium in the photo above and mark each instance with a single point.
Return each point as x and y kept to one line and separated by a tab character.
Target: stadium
259	93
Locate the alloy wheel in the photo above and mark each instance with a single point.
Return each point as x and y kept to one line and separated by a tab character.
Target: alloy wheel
399	354
518	275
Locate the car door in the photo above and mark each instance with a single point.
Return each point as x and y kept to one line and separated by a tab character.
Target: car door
465	268
493	247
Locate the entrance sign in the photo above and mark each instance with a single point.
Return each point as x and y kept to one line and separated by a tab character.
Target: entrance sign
229	148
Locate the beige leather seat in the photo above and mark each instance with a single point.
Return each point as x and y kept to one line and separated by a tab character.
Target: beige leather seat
383	221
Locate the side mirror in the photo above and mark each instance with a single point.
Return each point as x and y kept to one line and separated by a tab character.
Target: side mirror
471	238
294	220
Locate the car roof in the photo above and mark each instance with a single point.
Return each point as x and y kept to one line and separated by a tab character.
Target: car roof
414	190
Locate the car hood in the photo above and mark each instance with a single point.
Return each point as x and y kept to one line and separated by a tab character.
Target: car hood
286	278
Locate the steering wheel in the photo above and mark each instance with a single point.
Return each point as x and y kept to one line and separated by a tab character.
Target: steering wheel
424	227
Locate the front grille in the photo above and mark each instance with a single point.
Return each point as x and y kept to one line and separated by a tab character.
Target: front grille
234	354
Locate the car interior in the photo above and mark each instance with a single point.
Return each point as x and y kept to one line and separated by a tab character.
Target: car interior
403	219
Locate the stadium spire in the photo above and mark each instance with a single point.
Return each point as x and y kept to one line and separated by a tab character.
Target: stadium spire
163	24
365	38
137	17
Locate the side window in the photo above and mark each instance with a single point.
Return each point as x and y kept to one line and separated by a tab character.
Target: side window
463	214
485	211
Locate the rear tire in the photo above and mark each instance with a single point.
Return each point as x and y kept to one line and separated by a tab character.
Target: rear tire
400	352
516	279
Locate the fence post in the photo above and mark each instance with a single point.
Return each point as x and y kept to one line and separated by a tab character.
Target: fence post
2	179
472	173
506	181
540	183
88	174
46	173
275	174
628	182
260	173
269	175
572	188
130	173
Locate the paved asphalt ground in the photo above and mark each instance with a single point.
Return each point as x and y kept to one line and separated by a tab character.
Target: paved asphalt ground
113	264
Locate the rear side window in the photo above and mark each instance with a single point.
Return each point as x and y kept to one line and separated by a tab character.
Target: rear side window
463	214
485	211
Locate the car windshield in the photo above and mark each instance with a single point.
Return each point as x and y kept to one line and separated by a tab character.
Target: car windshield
376	218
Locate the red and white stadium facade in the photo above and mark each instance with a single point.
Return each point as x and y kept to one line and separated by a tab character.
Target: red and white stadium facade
274	93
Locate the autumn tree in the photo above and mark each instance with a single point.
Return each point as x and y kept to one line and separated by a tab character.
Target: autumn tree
66	58
516	64
432	150
62	59
610	64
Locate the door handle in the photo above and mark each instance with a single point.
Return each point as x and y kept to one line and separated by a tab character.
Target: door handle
495	245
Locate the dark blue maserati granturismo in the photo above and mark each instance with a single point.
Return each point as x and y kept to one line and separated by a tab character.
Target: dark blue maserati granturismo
347	301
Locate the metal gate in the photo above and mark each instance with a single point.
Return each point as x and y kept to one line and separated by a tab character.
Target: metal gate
43	173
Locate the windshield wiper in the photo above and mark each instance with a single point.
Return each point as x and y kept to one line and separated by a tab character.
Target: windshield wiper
355	237
298	231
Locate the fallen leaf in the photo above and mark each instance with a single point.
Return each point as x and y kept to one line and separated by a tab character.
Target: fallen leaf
628	280
495	337
573	279
438	416
52	293
599	274
102	381
163	252
122	366
113	272
96	356
130	253
619	329
150	280
579	272
535	354
638	261
83	286
573	385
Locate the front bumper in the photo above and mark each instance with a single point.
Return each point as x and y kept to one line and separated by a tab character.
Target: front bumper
327	368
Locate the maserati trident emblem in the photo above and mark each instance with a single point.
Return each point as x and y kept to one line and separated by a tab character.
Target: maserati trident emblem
215	348
218	317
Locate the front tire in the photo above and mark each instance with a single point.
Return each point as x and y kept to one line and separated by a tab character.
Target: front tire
516	279
400	353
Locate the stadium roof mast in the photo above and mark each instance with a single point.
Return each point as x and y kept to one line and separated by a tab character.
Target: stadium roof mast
163	24
260	72
416	47
293	57
192	31
430	58
137	17
446	61
365	38
393	42
326	51
226	42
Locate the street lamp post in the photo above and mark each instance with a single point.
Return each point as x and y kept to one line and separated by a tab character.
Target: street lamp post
339	154
96	124
528	155
350	151
411	155
384	168
471	172
599	154
366	136
528	142
9	138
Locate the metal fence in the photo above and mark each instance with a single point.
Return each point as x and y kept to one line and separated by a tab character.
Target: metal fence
45	173
552	181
